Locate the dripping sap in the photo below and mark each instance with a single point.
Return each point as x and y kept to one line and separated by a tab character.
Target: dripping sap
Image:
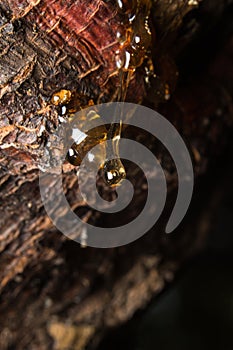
134	39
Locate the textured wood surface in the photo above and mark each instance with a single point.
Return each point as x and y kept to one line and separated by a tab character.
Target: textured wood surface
54	294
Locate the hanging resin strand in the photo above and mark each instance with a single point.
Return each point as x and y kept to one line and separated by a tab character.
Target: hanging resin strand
134	44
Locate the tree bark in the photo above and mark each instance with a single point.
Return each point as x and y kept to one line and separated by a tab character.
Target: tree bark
55	294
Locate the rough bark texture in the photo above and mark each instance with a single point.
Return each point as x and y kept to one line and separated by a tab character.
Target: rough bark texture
54	294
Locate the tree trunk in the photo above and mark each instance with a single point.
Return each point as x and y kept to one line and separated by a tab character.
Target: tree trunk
55	294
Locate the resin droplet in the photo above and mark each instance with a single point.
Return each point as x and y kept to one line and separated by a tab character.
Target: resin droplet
114	172
73	156
61	97
85	139
113	169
